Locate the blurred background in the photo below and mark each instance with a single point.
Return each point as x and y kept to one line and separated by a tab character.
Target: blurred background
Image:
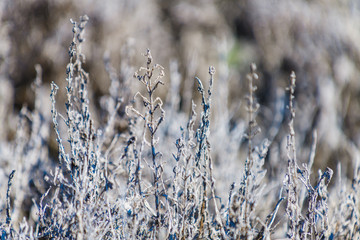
319	40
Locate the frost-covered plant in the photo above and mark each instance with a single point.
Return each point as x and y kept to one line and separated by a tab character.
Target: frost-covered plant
152	106
139	182
80	180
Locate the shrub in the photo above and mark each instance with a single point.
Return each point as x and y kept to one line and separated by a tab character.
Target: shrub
140	182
